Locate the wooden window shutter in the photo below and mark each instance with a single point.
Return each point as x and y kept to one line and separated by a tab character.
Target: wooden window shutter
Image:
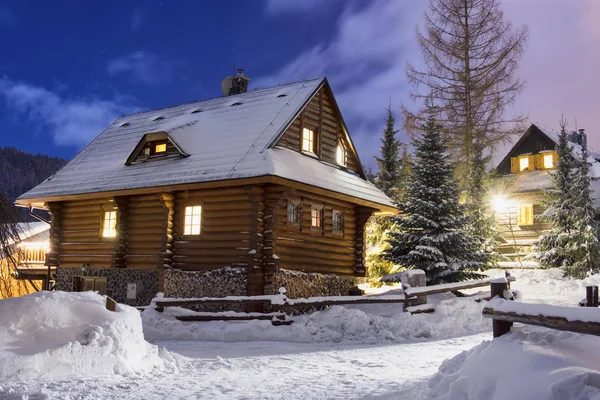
525	215
514	165
533	164
555	158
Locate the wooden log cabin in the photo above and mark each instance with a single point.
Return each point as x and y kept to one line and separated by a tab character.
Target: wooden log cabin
263	181
518	198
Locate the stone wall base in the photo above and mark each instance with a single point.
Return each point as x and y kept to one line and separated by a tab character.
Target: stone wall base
116	282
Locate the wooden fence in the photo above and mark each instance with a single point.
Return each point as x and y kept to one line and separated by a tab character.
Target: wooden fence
280	305
505	312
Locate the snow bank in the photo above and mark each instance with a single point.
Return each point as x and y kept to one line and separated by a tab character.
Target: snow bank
369	323
61	335
532	363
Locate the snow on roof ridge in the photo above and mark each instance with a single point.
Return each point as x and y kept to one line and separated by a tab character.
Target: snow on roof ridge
198	102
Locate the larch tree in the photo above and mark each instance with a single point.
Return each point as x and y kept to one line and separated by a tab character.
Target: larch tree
470	56
429	234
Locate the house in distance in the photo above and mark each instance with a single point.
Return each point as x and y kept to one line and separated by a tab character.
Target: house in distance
237	195
519	199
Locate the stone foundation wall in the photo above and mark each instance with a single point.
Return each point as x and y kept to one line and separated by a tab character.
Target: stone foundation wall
220	282
302	285
116	282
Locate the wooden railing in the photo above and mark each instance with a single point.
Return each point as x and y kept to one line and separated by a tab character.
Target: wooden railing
504	312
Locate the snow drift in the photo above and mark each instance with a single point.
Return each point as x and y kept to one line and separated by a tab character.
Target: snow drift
60	335
532	363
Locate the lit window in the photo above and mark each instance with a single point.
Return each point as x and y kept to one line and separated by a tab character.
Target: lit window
548	161
525	216
316	216
523	163
337	220
341	155
160	148
109	225
308	140
191	224
294	214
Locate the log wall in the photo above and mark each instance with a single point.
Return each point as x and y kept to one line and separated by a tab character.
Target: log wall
321	116
308	249
77	233
227	219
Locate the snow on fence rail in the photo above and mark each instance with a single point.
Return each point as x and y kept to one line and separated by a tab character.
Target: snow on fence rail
505	312
449	287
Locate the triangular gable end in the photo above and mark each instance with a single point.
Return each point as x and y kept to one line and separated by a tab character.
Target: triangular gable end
152	146
533	140
321	114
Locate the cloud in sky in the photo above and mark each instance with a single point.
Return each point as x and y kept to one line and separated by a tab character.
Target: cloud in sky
276	7
143	67
366	60
71	121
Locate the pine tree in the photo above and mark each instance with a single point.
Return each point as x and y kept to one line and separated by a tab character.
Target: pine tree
550	246
430	231
583	251
482	223
388	166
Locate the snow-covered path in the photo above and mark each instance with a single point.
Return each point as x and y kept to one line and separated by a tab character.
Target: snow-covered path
268	370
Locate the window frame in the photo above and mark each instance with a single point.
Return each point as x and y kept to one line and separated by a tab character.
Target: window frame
312	141
528	167
154	144
320	209
106	210
184	207
546	156
341	147
340	214
297	204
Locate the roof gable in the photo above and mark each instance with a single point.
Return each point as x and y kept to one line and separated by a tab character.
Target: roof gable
225	138
533	141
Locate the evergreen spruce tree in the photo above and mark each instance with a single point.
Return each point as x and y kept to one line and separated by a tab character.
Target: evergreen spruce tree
560	202
430	232
482	223
388	166
583	252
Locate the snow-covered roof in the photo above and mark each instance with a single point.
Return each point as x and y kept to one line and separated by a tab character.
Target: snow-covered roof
226	138
28	230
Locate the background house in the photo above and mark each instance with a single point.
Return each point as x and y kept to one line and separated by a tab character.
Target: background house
524	175
236	195
26	273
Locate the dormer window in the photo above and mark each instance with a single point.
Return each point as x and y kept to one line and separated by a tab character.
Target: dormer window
341	155
160	148
524	164
308	140
155	146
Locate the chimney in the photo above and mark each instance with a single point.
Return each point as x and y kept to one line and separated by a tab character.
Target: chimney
239	83
582	137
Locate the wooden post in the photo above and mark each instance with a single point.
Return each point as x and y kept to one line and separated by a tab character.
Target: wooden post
499	328
111	305
591	295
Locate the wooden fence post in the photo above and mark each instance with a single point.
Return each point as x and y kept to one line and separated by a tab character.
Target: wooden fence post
591	295
111	305
499	328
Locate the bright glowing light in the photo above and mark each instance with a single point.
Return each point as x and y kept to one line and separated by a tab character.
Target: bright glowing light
500	203
548	161
523	163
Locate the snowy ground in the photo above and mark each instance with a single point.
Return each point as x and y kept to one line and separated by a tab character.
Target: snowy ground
370	351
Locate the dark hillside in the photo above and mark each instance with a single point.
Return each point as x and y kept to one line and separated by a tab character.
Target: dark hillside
21	171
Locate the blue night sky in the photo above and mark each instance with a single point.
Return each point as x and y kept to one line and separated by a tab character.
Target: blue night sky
68	68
